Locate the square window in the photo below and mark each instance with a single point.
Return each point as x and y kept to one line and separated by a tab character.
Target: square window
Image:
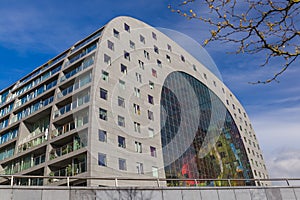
132	44
121	142
105	75
136	108
168	58
182	58
146	54
122	84
122	164
127	55
169	48
142	39
137	92
102	135
138	77
107	59
153	151
141	64
102	159
159	63
150	115
126	27
123	69
154	36
150	99
155	172
205	76
121	121
154	73
151	132
151	85
121	102
103	94
110	45
138	147
156	49
140	168
137	127
116	33
195	68
103	114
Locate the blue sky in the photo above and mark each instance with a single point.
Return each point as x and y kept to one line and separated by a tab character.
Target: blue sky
32	32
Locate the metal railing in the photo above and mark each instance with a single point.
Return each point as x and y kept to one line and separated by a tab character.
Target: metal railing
153	182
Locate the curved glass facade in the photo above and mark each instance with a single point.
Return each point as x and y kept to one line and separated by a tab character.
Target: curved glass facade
199	137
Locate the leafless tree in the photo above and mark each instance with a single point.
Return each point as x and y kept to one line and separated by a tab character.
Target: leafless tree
263	27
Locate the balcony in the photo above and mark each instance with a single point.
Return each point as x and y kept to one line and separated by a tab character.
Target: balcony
84	52
32	143
66	149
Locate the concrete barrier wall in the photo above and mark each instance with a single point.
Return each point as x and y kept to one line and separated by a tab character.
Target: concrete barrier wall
87	193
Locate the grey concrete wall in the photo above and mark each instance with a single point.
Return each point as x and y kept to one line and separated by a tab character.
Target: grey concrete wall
130	193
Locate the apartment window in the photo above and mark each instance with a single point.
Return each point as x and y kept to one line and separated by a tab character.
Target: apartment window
136	108
154	73
168	58
151	132
122	84
253	152
102	159
205	76
141	64
194	68
121	121
215	84
182	58
155	172
159	63
137	92
169	48
227	102
154	36
132	44
233	106
107	59
138	77
239	110
137	127
127	55
140	168
110	45
245	115
153	151
116	33
103	93
122	164
138	147
150	99
248	150
123	69
121	142
146	54
156	49
142	39
105	75
151	85
103	114
121	102
126	27
150	115
102	135
223	90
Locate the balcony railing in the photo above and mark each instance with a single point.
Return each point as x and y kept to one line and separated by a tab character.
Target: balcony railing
70	170
32	143
66	149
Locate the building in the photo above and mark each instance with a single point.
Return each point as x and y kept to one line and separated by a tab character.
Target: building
127	101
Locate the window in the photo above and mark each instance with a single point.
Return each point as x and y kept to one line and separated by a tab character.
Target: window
126	27
107	59
239	111
121	121
151	85
139	168
102	135
153	151
105	75
141	64
154	73
182	58
110	45
194	68
215	84
168	58
138	77
138	147
223	90
102	159
123	69
127	55
150	99
146	54
122	84
169	48
103	93
137	127
150	115
136	108
155	172
227	102
142	39
151	132
154	36
116	33
132	44
121	142
205	76
121	102
103	114
137	92
122	164
156	49
159	63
